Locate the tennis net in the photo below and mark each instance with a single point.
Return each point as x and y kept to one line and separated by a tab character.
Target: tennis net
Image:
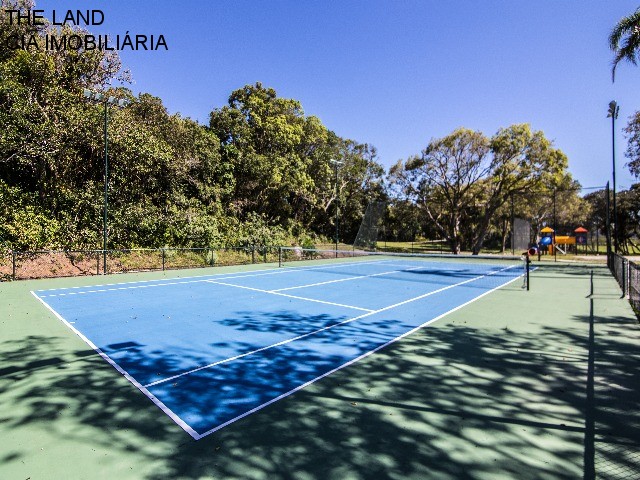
360	262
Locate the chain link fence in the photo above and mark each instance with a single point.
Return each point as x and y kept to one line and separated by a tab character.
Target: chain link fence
17	265
627	273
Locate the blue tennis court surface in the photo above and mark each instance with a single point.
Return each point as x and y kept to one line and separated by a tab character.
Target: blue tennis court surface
212	349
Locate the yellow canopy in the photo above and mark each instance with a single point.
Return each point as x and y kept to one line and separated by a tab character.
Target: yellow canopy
546	230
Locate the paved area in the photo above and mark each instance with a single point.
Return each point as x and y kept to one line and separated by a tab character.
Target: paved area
541	384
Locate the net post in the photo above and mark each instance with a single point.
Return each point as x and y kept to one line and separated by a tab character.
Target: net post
527	263
163	259
279	256
591	291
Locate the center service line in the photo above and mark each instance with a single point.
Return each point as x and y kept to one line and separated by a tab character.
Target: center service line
344	322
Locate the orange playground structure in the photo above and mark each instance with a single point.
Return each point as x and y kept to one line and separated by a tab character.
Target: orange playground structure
549	242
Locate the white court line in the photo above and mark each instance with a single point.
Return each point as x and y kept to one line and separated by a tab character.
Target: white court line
345	279
150	395
357	359
344	322
155	280
198	436
273	292
203	278
119	288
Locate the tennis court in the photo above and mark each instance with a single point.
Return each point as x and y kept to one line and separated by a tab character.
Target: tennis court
212	349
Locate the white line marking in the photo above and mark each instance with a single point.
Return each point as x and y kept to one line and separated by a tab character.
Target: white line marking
344	322
345	279
156	280
273	292
198	436
150	395
203	278
350	362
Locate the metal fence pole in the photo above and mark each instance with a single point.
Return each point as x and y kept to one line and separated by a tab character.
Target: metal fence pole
13	263
163	259
624	277
253	254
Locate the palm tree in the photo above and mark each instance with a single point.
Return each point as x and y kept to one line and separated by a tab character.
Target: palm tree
624	40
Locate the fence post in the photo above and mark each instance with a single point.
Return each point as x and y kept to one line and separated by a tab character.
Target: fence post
97	263
253	254
628	291
13	263
163	258
624	277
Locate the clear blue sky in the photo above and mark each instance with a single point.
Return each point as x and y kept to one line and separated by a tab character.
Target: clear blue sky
396	73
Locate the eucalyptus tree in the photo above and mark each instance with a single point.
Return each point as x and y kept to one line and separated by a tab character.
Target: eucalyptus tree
522	163
460	181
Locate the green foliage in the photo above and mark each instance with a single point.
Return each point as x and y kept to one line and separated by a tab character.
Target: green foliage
261	172
462	181
633	146
628	208
22	224
624	40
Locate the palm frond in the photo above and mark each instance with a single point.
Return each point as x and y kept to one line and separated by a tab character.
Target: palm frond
624	40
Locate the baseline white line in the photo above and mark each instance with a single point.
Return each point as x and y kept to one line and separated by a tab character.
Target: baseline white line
344	322
156	280
120	288
345	279
122	371
351	362
198	436
203	278
273	292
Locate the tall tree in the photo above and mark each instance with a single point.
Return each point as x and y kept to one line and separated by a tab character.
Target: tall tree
276	163
522	163
442	180
460	181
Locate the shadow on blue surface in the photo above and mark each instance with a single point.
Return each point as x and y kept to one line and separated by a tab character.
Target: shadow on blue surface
452	402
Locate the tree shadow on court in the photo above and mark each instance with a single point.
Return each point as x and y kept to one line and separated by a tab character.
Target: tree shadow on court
284	321
452	402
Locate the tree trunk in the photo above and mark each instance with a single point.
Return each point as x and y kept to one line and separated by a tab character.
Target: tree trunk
505	232
484	226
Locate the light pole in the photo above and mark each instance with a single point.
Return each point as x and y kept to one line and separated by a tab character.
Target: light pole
106	101
613	113
336	164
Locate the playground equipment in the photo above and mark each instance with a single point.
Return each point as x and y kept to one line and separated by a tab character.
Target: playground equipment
549	242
